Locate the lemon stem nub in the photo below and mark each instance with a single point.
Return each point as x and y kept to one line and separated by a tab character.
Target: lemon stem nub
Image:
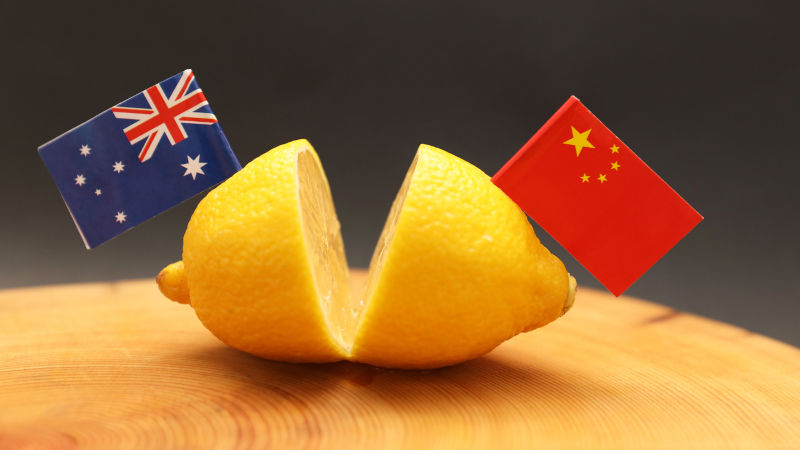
573	288
172	283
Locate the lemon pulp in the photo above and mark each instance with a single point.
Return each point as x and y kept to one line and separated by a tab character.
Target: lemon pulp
323	238
379	255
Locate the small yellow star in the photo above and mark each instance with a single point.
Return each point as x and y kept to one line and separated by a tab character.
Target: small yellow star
614	149
602	178
584	178
579	140
615	165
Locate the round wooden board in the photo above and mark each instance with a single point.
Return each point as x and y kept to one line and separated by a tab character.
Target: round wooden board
117	365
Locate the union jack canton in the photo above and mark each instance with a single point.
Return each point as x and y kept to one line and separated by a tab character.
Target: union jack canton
115	171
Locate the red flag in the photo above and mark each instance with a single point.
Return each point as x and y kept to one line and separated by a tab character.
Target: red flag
589	191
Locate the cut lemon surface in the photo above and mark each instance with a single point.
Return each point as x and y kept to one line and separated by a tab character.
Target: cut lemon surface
457	269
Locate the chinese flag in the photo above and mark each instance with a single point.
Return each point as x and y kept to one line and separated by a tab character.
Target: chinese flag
586	188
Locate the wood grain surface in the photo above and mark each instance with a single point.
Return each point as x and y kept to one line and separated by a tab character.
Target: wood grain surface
116	365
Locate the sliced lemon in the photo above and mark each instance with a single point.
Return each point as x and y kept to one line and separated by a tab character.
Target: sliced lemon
457	269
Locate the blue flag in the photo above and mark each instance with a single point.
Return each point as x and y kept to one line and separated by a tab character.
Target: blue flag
139	158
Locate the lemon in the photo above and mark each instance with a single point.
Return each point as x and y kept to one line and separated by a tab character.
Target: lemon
457	269
264	263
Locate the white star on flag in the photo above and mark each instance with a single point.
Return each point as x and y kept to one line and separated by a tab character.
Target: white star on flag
80	180
119	167
121	216
85	150
98	192
193	167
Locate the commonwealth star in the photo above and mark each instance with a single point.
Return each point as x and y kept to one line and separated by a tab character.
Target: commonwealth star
194	166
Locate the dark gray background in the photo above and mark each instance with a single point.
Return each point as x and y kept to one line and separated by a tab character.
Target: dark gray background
706	93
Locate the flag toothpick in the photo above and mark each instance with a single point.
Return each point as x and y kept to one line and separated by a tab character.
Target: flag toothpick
599	200
110	173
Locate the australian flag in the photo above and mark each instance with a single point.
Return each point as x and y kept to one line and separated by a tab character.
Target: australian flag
139	158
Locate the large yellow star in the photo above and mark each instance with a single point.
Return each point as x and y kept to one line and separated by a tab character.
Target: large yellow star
579	140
